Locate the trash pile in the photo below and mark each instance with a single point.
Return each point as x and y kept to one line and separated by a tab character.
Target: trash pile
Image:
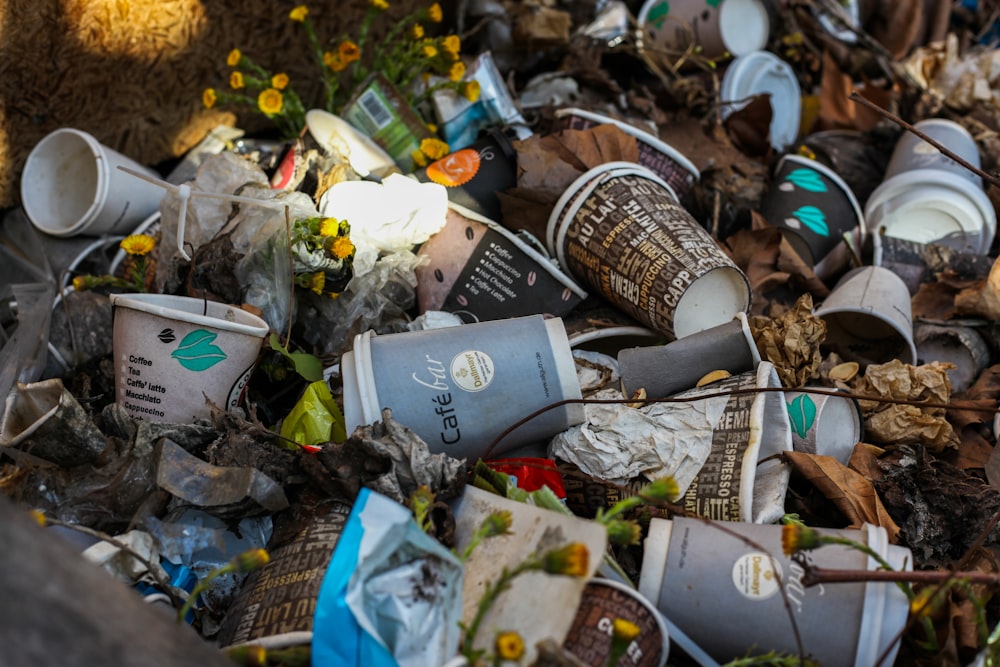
600	334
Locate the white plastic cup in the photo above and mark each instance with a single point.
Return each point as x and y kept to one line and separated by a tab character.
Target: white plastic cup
723	592
173	354
927	197
869	318
459	388
757	73
620	229
71	185
731	26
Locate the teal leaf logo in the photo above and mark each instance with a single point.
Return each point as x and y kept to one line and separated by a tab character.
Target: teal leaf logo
807	179
801	414
813	218
196	352
658	14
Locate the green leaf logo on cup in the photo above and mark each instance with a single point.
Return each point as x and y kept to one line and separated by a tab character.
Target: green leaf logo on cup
197	353
807	179
811	217
802	414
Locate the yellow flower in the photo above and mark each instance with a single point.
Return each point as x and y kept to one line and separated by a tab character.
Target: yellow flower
299	13
457	71
624	629
664	489
380	5
138	244
333	61
797	537
417	31
497	523
452	44
270	101
509	646
38	516
418	158
471	91
80	283
236	80
249	561
279	81
329	227
429	51
926	602
434	13
349	51
234	58
624	533
572	560
342	247
317	282
432	128
434	149
209	97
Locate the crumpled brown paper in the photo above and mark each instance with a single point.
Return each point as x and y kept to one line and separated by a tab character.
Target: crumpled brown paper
899	424
791	342
983	298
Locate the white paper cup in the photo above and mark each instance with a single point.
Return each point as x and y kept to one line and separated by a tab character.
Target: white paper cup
173	354
761	72
723	593
927	197
959	345
71	185
824	424
868	317
338	137
458	388
730	27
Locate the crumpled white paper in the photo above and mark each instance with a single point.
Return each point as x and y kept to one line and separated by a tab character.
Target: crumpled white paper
398	213
617	443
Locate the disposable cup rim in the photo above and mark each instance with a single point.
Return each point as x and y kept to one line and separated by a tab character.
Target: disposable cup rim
171	307
909	180
739	76
835	177
647	604
636	132
31	173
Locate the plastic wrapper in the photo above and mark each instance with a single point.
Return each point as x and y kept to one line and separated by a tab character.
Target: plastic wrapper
315	418
23	356
392	595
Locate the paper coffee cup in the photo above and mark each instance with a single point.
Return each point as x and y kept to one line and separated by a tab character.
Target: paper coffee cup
604	600
813	207
338	137
71	185
602	328
667	369
759	73
175	354
868	317
620	229
723	592
927	197
719	28
482	271
659	157
962	346
458	388
824	424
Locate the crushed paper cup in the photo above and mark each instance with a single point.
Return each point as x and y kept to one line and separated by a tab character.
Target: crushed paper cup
824	424
759	73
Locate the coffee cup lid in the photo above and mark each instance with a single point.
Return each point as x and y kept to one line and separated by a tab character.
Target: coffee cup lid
763	72
925	205
744	26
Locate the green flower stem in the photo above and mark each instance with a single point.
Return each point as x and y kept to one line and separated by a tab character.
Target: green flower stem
493	590
201	587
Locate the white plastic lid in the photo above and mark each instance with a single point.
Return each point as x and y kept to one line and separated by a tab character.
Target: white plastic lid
761	72
928	205
744	26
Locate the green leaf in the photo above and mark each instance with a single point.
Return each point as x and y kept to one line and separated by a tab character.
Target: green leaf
801	414
813	218
197	352
658	14
305	364
807	179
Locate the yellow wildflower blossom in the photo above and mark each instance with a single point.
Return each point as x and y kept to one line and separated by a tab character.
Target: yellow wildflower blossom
236	80
509	646
333	61
457	71
343	247
380	5
299	13
417	31
471	91
329	227
279	81
429	51
317	282
624	629
249	561
434	13
452	44
418	158
234	58
138	244
434	149
80	283
38	516
270	101
209	97
797	537
349	51
572	560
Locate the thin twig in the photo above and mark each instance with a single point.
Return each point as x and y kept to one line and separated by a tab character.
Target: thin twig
821	575
857	97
